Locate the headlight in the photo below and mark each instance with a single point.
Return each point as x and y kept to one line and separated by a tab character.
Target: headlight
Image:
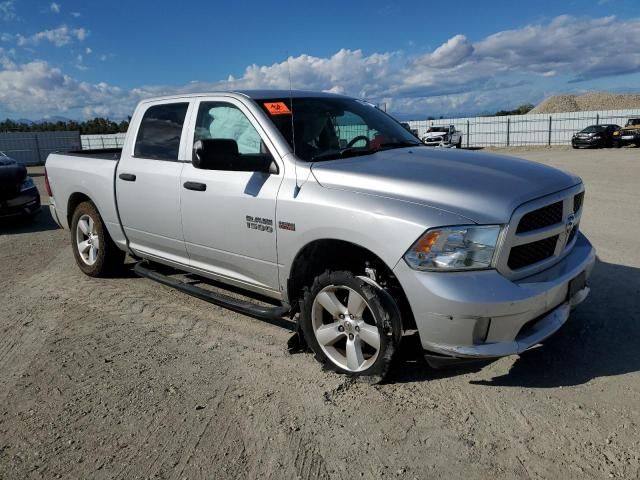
27	184
455	248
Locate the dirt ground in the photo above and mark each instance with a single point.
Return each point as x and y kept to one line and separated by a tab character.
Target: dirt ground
123	378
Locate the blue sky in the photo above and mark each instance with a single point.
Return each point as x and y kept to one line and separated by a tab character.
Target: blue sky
80	59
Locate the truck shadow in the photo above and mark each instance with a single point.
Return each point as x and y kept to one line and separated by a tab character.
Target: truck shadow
602	338
42	222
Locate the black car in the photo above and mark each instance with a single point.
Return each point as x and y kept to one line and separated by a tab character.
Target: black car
19	196
597	136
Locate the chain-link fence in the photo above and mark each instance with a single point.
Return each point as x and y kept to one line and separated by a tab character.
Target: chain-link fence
523	130
95	142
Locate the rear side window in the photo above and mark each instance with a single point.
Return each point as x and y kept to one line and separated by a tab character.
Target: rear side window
160	132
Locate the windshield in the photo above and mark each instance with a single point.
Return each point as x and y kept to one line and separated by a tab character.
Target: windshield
437	129
330	128
593	129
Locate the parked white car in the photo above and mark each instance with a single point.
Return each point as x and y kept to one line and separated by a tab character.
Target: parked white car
441	136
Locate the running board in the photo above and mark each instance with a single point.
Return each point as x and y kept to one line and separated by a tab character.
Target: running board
271	314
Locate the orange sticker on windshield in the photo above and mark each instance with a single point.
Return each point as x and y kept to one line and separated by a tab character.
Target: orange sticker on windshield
277	108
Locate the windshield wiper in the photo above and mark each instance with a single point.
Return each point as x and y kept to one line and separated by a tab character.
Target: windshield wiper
344	153
356	152
389	145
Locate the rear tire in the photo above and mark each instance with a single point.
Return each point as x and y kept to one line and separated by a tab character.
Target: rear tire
352	327
95	252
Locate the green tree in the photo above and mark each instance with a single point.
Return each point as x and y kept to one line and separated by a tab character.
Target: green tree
96	126
521	110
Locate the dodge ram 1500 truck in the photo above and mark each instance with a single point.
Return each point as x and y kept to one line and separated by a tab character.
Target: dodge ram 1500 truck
343	220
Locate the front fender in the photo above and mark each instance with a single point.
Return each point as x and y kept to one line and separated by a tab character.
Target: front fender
386	227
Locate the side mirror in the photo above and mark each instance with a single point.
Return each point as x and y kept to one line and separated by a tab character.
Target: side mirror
214	154
222	154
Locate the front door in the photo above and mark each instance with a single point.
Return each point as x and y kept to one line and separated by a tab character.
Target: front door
229	220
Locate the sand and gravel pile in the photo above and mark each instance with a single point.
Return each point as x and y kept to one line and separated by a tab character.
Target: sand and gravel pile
587	102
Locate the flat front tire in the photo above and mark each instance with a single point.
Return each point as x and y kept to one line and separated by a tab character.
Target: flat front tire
353	327
95	252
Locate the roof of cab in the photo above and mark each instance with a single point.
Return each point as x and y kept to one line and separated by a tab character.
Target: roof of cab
253	94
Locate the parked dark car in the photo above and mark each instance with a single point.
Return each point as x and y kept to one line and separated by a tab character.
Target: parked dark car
597	136
19	196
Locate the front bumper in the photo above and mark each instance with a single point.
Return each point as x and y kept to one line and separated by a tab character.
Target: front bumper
627	139
482	314
587	142
26	203
436	143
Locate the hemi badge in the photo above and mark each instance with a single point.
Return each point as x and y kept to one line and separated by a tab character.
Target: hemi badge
287	226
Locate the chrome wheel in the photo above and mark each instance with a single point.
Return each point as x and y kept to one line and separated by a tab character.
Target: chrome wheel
345	328
87	240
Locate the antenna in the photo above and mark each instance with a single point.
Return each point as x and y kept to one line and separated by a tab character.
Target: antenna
293	130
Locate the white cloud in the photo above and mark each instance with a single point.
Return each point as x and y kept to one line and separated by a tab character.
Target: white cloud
60	36
36	88
460	76
55	7
455	51
75	14
88	51
8	10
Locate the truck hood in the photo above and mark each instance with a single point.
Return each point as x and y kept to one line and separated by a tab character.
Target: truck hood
484	188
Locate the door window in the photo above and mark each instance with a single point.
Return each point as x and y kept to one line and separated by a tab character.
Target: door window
223	120
160	132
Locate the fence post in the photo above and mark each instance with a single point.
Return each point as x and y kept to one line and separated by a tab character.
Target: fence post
508	130
35	136
467	133
597	119
550	119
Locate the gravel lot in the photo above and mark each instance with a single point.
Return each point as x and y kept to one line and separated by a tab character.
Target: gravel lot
123	378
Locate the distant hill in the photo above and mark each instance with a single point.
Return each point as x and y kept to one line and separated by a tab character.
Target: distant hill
587	102
54	119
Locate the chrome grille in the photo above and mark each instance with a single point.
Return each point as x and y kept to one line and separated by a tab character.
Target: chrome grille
540	218
577	202
530	253
540	233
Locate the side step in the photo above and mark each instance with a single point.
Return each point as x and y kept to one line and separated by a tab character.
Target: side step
271	314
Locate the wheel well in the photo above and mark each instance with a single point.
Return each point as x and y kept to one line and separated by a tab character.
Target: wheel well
74	200
321	255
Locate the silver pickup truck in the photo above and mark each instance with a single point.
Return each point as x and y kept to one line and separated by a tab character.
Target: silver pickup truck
335	216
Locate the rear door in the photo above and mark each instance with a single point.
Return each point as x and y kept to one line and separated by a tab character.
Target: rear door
229	223
148	181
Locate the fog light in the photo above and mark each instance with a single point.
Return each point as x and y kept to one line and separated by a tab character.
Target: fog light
481	330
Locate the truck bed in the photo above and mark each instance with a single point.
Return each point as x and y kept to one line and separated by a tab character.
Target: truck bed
101	153
86	174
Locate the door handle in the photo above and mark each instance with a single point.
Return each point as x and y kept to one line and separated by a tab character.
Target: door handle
197	186
127	177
